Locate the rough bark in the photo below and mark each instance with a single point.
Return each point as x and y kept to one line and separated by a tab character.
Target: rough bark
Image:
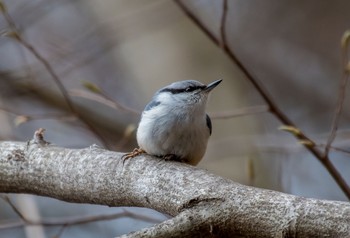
202	204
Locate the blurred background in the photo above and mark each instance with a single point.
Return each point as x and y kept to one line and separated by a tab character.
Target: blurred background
112	55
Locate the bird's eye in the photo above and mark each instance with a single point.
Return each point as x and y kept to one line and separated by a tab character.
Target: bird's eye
189	89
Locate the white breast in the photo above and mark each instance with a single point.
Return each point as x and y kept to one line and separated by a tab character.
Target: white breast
185	134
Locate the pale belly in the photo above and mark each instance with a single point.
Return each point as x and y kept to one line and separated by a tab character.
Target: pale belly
186	142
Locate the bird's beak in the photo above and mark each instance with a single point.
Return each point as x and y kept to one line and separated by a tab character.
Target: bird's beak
212	85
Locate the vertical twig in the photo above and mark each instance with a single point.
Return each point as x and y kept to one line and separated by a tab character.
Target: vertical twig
341	91
223	23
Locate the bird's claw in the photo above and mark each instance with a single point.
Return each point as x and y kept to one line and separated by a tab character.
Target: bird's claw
134	153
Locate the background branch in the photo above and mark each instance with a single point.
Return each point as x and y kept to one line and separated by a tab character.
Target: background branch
69	221
273	107
15	34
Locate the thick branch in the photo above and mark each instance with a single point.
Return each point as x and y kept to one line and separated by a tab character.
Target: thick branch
201	203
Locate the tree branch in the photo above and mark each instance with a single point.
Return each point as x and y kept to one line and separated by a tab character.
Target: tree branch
201	203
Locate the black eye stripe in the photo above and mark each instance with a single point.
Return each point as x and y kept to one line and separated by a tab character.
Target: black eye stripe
181	90
190	89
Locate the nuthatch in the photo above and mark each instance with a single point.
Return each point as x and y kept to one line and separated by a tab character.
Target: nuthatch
174	124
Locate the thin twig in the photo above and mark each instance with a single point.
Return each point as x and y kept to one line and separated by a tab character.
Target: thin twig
341	92
16	35
104	99
70	221
335	148
8	110
273	108
36	117
23	118
60	231
240	112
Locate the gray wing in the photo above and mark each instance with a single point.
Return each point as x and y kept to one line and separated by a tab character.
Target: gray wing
209	123
151	105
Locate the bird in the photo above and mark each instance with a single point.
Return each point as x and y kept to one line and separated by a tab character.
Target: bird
174	124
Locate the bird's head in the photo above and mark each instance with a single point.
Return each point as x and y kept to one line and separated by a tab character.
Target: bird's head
185	93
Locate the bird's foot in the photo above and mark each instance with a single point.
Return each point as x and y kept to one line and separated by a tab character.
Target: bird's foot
173	157
134	153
